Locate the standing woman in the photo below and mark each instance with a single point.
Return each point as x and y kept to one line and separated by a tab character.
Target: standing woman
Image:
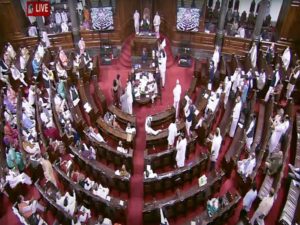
115	93
120	89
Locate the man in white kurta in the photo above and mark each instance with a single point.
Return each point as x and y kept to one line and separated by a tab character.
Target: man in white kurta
227	88
181	150
249	198
64	17
253	54
212	104
263	209
216	58
292	80
156	23
45	39
162	65
124	103
64	27
177	94
276	136
172	134
41	50
215	148
148	127
129	96
81	46
250	133
58	18
286	58
274	82
235	116
236	77
260	79
136	19
246	166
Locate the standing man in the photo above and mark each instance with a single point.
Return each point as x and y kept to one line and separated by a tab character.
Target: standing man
156	23
189	110
293	79
274	82
81	46
124	102
181	150
215	148
172	134
162	65
253	54
286	58
136	19
263	209
129	96
235	116
176	94
279	130
211	75
249	198
227	88
250	132
216	58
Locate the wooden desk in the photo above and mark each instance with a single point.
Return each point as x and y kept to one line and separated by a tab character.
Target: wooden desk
161	138
62	216
110	154
173	179
167	157
161	118
122	117
140	42
116	133
221	216
178	204
114	208
101	173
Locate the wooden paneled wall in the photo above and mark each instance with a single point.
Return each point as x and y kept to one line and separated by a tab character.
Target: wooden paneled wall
12	21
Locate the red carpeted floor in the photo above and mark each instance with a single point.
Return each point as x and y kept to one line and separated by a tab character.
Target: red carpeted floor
136	199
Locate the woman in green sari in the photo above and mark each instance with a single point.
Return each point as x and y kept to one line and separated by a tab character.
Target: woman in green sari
14	159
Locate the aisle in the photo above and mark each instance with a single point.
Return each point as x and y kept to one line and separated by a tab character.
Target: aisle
136	204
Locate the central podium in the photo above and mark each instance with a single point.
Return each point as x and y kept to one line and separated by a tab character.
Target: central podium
146	40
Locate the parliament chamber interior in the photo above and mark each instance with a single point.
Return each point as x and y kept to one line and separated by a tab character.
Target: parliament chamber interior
132	112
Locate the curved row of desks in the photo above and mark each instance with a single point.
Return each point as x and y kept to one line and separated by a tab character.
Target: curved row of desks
113	208
173	179
181	202
101	173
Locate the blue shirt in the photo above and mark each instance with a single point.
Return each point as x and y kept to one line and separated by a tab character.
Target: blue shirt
248	199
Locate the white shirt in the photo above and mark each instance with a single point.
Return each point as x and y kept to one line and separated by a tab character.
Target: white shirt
64	17
249	198
156	20
237	110
58	18
215	147
136	18
177	93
